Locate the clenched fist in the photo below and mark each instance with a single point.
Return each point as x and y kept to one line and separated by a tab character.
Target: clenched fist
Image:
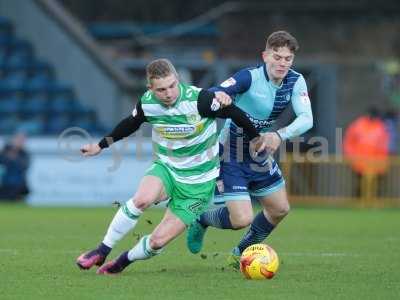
90	149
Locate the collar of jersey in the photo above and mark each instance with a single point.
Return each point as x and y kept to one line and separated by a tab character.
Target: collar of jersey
265	71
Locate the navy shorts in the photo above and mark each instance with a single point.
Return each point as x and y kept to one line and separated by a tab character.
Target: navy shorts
246	179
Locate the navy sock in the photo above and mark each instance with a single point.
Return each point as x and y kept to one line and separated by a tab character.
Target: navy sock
259	230
218	218
103	249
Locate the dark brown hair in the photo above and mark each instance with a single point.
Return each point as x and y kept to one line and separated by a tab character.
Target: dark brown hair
282	38
159	68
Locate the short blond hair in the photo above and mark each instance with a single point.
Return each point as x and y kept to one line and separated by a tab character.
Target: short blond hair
160	68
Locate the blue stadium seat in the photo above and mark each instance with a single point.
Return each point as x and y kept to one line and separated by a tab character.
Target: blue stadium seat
6	30
12	83
29	90
32	126
10	106
86	120
3	56
34	106
8	124
38	81
61	104
56	124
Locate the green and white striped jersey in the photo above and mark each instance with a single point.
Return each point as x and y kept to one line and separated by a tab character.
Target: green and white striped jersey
186	142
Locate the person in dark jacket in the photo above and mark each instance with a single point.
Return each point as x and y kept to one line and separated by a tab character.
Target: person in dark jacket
14	164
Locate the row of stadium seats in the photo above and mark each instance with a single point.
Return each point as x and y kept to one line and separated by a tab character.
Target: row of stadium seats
52	125
104	30
31	97
38	105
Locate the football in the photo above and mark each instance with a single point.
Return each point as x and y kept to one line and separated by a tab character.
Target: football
259	261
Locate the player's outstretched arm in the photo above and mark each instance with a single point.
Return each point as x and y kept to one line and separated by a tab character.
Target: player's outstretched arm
124	129
207	108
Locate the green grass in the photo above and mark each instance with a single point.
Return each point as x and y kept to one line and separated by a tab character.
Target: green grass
325	254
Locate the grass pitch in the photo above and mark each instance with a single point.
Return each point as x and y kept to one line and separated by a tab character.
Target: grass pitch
324	253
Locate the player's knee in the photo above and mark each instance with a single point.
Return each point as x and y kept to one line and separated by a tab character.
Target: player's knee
241	221
285	210
142	201
281	211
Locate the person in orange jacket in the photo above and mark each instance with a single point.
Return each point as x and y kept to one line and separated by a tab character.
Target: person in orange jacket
366	144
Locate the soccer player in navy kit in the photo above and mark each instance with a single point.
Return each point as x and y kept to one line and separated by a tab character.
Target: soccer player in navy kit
263	93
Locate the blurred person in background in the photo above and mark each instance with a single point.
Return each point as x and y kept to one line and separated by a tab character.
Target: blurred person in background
263	93
366	146
391	120
14	164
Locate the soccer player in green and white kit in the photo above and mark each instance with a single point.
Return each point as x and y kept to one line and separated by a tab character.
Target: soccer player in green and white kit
185	142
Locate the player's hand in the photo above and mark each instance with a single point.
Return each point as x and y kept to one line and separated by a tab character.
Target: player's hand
268	142
90	149
257	145
271	141
223	98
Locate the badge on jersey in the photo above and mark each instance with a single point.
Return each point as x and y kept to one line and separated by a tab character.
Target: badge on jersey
134	113
193	118
304	99
229	82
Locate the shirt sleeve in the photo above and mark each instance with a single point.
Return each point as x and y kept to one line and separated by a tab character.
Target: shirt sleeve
302	107
208	107
125	128
237	84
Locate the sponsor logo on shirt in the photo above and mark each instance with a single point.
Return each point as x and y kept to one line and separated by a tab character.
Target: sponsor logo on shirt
229	82
260	124
238	187
178	131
